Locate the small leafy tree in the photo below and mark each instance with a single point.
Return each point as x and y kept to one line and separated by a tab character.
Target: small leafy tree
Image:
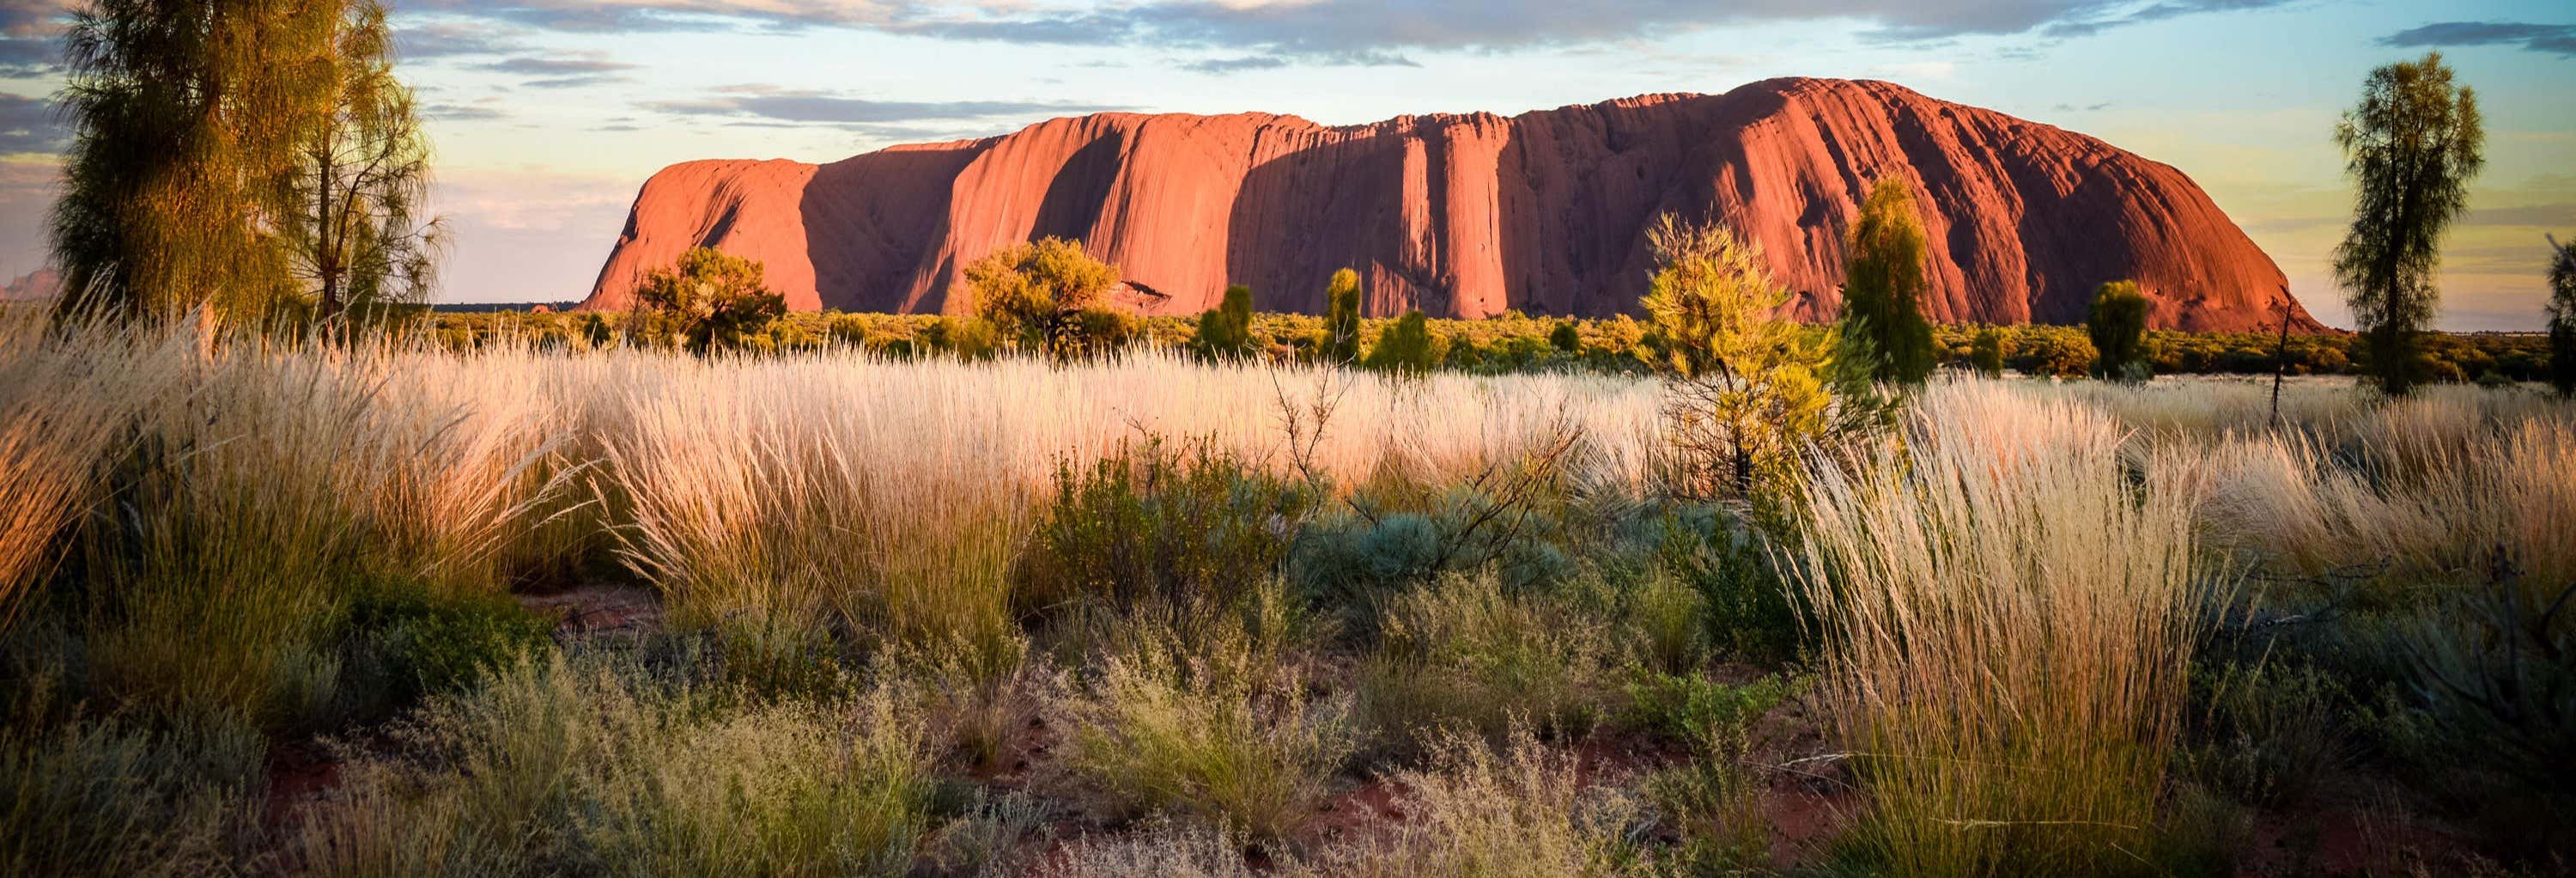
1405	346
707	300
1225	331
2118	326
1341	342
1034	294
1884	282
2411	147
2562	316
1986	352
1565	338
1747	392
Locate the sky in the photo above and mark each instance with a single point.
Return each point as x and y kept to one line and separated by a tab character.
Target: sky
547	115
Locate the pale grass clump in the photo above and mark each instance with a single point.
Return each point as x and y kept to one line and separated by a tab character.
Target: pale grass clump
600	767
66	399
1462	654
1525	810
2421	494
1205	729
269	481
1165	849
2008	622
895	494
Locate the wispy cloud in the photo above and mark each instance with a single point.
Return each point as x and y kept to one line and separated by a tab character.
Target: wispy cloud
808	107
30	125
1265	34
2554	39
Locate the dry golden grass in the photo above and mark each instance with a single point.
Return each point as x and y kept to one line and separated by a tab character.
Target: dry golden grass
2008	628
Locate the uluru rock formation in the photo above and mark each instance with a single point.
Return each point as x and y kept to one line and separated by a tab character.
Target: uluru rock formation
1471	215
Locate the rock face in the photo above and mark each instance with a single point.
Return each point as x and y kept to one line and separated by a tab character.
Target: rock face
1468	216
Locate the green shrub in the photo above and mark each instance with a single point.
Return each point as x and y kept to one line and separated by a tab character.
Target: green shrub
1034	295
1986	353
1565	337
2117	325
1213	733
1340	343
1404	346
1464	654
2057	355
1885	282
2269	732
1747	609
1154	522
404	642
1225	331
112	799
1704	713
707	300
1516	809
601	766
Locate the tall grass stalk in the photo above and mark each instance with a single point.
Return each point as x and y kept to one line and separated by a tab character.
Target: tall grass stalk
65	400
2008	623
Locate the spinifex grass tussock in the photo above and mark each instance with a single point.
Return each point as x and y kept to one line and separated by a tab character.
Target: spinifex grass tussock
66	399
1205	728
1521	809
267	481
2008	622
601	766
2429	488
1466	655
900	492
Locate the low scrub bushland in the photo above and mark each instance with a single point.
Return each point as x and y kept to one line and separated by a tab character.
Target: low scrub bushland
927	614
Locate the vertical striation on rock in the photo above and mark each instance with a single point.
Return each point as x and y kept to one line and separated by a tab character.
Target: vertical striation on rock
1472	215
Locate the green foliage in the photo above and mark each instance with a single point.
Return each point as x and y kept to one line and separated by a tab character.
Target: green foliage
605	767
1884	283
1405	346
1986	353
405	641
1213	733
1225	331
706	301
1341	342
2562	317
2117	324
1154	523
2270	732
1747	393
1744	600
967	337
1565	338
111	798
1034	294
2411	146
249	159
2059	355
1466	654
1704	713
595	331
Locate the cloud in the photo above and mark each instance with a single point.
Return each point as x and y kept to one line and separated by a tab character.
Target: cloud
2094	22
2554	39
2561	215
1221	66
1271	33
485	110
561	72
29	125
801	107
